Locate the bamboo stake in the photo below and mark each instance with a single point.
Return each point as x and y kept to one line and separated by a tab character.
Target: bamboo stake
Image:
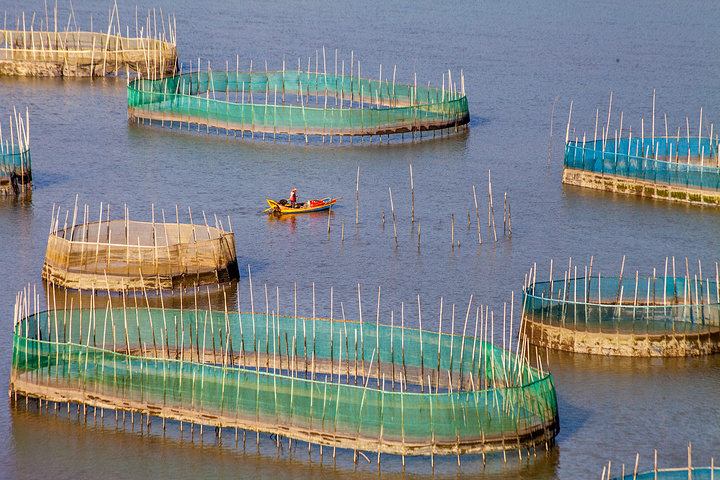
412	196
491	211
392	208
477	214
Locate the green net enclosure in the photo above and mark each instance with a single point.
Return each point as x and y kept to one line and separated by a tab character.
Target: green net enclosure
15	164
653	316
695	473
353	385
120	255
68	52
294	102
686	473
676	167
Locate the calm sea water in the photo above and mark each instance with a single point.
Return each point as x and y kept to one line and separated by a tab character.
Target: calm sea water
518	60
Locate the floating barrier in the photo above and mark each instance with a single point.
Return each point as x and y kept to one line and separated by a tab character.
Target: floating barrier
295	102
678	168
663	316
74	53
121	255
15	164
343	384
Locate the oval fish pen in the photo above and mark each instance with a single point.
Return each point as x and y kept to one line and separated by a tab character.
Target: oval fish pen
122	255
658	316
74	53
343	384
295	102
15	165
680	167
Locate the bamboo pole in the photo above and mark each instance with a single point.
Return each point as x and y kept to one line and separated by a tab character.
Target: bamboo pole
491	211
477	214
412	195
392	208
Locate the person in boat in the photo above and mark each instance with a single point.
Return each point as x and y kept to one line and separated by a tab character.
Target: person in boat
293	197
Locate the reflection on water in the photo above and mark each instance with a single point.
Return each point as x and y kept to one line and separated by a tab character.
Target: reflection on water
99	445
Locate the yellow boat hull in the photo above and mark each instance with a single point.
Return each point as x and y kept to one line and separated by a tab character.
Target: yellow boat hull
307	207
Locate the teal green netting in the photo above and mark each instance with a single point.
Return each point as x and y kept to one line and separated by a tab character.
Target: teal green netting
689	162
14	161
654	305
396	107
703	473
253	378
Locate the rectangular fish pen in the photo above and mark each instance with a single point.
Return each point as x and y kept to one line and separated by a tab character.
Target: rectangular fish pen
295	102
345	384
15	164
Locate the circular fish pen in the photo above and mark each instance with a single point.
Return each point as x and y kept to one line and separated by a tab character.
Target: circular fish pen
694	473
683	473
294	102
73	53
345	384
643	317
15	164
675	167
122	255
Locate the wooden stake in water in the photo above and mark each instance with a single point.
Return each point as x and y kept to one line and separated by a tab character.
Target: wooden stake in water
477	214
392	208
622	266
357	197
504	212
552	116
412	196
491	211
452	230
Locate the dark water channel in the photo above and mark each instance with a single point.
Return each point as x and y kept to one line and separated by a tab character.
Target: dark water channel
516	58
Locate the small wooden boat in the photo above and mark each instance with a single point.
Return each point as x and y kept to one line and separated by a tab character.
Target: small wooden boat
283	206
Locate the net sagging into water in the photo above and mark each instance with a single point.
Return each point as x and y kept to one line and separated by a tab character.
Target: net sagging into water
124	255
336	383
656	316
343	105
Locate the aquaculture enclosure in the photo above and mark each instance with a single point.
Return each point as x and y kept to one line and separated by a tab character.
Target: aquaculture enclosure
294	102
337	383
123	255
695	473
15	165
73	53
680	168
656	316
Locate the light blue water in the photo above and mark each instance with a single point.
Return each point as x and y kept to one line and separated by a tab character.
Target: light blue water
517	58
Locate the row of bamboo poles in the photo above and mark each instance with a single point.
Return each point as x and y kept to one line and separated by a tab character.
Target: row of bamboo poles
701	472
18	145
689	296
150	45
652	149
